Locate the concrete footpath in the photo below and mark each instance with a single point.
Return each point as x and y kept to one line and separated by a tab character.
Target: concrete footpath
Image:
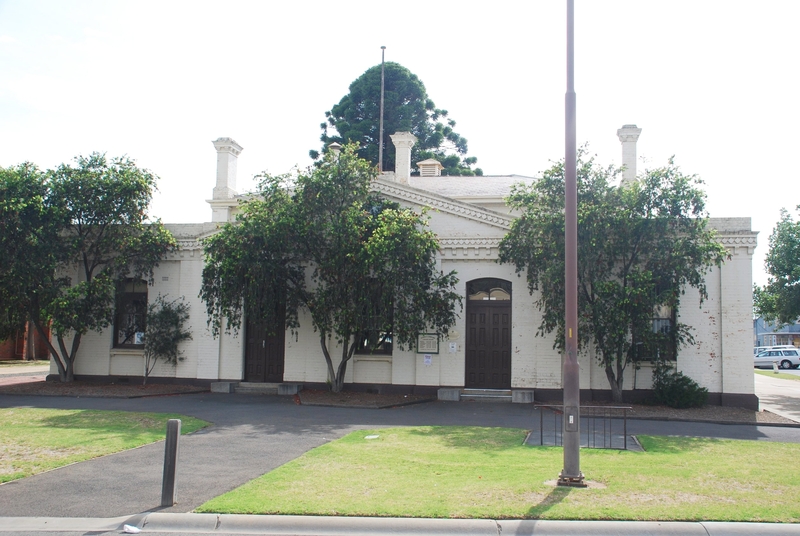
779	396
253	434
155	523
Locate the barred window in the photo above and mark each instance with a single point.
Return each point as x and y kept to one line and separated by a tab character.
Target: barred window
377	317
131	312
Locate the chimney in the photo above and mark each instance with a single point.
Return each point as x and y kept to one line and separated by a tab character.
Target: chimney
403	142
227	155
628	135
335	148
430	168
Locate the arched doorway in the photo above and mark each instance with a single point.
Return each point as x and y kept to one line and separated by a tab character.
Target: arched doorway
488	345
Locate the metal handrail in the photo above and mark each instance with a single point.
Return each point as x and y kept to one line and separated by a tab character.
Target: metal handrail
591	418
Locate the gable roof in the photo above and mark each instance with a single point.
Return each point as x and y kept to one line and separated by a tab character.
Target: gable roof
465	187
442	203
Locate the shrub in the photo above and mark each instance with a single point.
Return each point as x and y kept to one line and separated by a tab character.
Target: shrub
164	331
676	390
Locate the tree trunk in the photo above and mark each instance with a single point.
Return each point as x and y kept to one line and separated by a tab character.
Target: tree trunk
616	384
30	343
339	383
337	378
331	373
53	352
66	360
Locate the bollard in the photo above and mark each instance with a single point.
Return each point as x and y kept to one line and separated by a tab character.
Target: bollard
169	494
775	367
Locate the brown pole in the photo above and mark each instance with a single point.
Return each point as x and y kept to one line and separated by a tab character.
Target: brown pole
571	473
380	127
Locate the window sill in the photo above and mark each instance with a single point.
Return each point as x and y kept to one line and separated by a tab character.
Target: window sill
127	352
374	358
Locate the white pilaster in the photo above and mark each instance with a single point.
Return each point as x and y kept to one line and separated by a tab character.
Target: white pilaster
224	197
628	136
403	142
227	156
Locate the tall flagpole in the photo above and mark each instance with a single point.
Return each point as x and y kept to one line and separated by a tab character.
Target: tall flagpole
571	474
380	127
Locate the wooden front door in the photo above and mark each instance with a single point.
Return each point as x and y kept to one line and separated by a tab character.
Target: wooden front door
488	363
263	357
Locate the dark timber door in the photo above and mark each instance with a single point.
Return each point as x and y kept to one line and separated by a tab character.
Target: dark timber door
488	356
263	357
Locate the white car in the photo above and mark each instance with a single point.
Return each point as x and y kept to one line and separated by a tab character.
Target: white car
758	349
786	359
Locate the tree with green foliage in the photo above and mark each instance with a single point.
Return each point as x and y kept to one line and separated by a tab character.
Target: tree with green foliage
639	247
361	267
24	224
84	231
407	108
165	330
779	300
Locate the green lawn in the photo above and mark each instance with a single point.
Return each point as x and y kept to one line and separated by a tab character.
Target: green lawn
780	375
36	440
468	472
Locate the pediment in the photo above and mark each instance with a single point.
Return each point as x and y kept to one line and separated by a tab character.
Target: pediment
472	217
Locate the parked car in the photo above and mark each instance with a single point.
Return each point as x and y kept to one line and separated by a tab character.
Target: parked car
786	359
758	349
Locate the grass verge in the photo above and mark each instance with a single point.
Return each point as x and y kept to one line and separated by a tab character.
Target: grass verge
35	440
469	472
6	365
780	375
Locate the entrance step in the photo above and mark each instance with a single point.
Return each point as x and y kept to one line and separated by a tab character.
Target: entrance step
486	395
257	388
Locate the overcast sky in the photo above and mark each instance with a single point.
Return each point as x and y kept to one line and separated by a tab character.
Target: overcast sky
712	82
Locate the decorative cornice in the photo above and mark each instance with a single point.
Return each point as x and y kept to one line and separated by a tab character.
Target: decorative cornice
468	249
405	140
629	133
739	239
443	204
227	145
740	242
189	243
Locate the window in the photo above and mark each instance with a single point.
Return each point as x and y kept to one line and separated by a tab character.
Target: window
489	290
129	320
377	315
375	343
661	340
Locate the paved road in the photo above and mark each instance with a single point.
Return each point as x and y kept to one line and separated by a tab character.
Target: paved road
18	374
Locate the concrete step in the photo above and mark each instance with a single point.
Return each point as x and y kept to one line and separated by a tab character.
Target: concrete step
257	388
486	395
267	388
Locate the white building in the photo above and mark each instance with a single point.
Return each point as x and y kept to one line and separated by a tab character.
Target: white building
470	218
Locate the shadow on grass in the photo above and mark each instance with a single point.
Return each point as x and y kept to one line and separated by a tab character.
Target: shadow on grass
473	437
556	495
674	444
120	423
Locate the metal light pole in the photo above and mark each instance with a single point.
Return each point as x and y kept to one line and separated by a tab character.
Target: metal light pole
571	473
380	127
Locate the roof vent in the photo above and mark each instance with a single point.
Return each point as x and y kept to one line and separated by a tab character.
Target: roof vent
430	168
